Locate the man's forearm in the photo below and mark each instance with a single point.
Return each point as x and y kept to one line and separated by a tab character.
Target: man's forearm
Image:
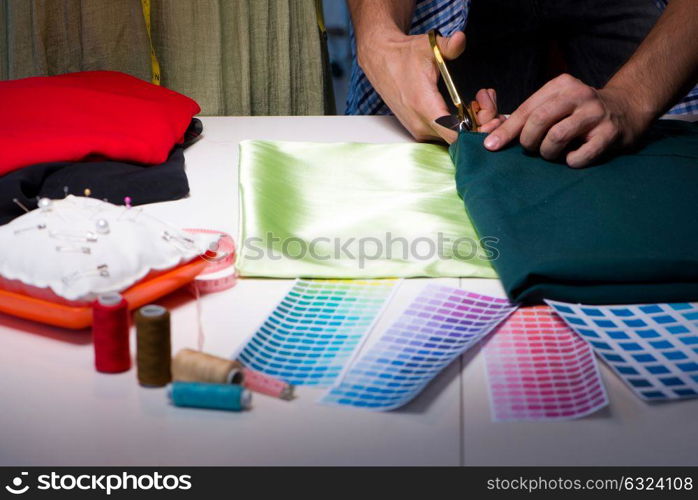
665	65
374	20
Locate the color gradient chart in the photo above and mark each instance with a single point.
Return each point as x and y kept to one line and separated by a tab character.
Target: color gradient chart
652	347
315	328
438	325
539	369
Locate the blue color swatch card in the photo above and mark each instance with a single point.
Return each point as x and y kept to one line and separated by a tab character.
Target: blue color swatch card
652	347
438	325
313	331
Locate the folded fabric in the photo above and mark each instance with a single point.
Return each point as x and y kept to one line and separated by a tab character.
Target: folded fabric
625	231
108	180
90	114
353	211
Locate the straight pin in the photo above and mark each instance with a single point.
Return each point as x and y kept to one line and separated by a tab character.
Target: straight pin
64	249
87	237
101	270
30	228
20	205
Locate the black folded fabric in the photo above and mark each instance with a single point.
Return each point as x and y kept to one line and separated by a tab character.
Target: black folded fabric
625	231
108	180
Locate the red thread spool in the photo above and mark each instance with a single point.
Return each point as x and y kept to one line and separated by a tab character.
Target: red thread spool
110	333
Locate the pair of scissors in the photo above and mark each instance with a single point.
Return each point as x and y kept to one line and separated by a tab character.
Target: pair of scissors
466	114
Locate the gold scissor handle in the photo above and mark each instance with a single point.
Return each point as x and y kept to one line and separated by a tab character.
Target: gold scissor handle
466	114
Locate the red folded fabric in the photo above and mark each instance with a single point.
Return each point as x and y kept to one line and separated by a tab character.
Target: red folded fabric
102	114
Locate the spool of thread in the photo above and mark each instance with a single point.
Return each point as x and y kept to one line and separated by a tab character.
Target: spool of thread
110	333
194	366
154	353
264	384
215	396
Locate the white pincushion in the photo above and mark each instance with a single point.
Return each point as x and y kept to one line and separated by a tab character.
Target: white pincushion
81	247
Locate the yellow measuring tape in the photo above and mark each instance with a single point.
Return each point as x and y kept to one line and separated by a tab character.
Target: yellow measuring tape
154	64
320	17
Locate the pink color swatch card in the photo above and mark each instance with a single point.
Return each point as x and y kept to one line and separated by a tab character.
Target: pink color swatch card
539	369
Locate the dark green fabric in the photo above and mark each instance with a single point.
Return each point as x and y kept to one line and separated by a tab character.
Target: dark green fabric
625	231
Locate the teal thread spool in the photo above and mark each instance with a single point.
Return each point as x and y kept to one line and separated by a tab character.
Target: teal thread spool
215	396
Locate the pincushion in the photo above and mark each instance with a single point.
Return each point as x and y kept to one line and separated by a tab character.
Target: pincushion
76	248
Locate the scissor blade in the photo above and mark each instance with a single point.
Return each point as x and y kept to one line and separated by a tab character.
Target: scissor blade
449	121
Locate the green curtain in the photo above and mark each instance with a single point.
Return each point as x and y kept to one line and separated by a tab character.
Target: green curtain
48	37
235	57
3	42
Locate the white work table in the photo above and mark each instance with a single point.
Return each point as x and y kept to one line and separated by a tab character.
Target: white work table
57	410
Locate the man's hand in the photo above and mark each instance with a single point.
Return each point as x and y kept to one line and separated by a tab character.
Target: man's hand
558	117
402	70
569	119
565	112
487	116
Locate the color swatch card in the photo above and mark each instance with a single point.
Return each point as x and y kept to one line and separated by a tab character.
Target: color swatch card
652	347
437	326
314	330
539	369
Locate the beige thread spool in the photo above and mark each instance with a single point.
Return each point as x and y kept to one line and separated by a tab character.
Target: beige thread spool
154	353
194	366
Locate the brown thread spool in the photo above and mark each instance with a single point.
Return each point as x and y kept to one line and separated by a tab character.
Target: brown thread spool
154	352
194	366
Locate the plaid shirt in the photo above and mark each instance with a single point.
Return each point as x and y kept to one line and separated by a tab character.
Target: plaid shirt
447	16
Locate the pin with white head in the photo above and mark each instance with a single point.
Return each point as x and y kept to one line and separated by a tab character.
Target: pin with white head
102	226
44	204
